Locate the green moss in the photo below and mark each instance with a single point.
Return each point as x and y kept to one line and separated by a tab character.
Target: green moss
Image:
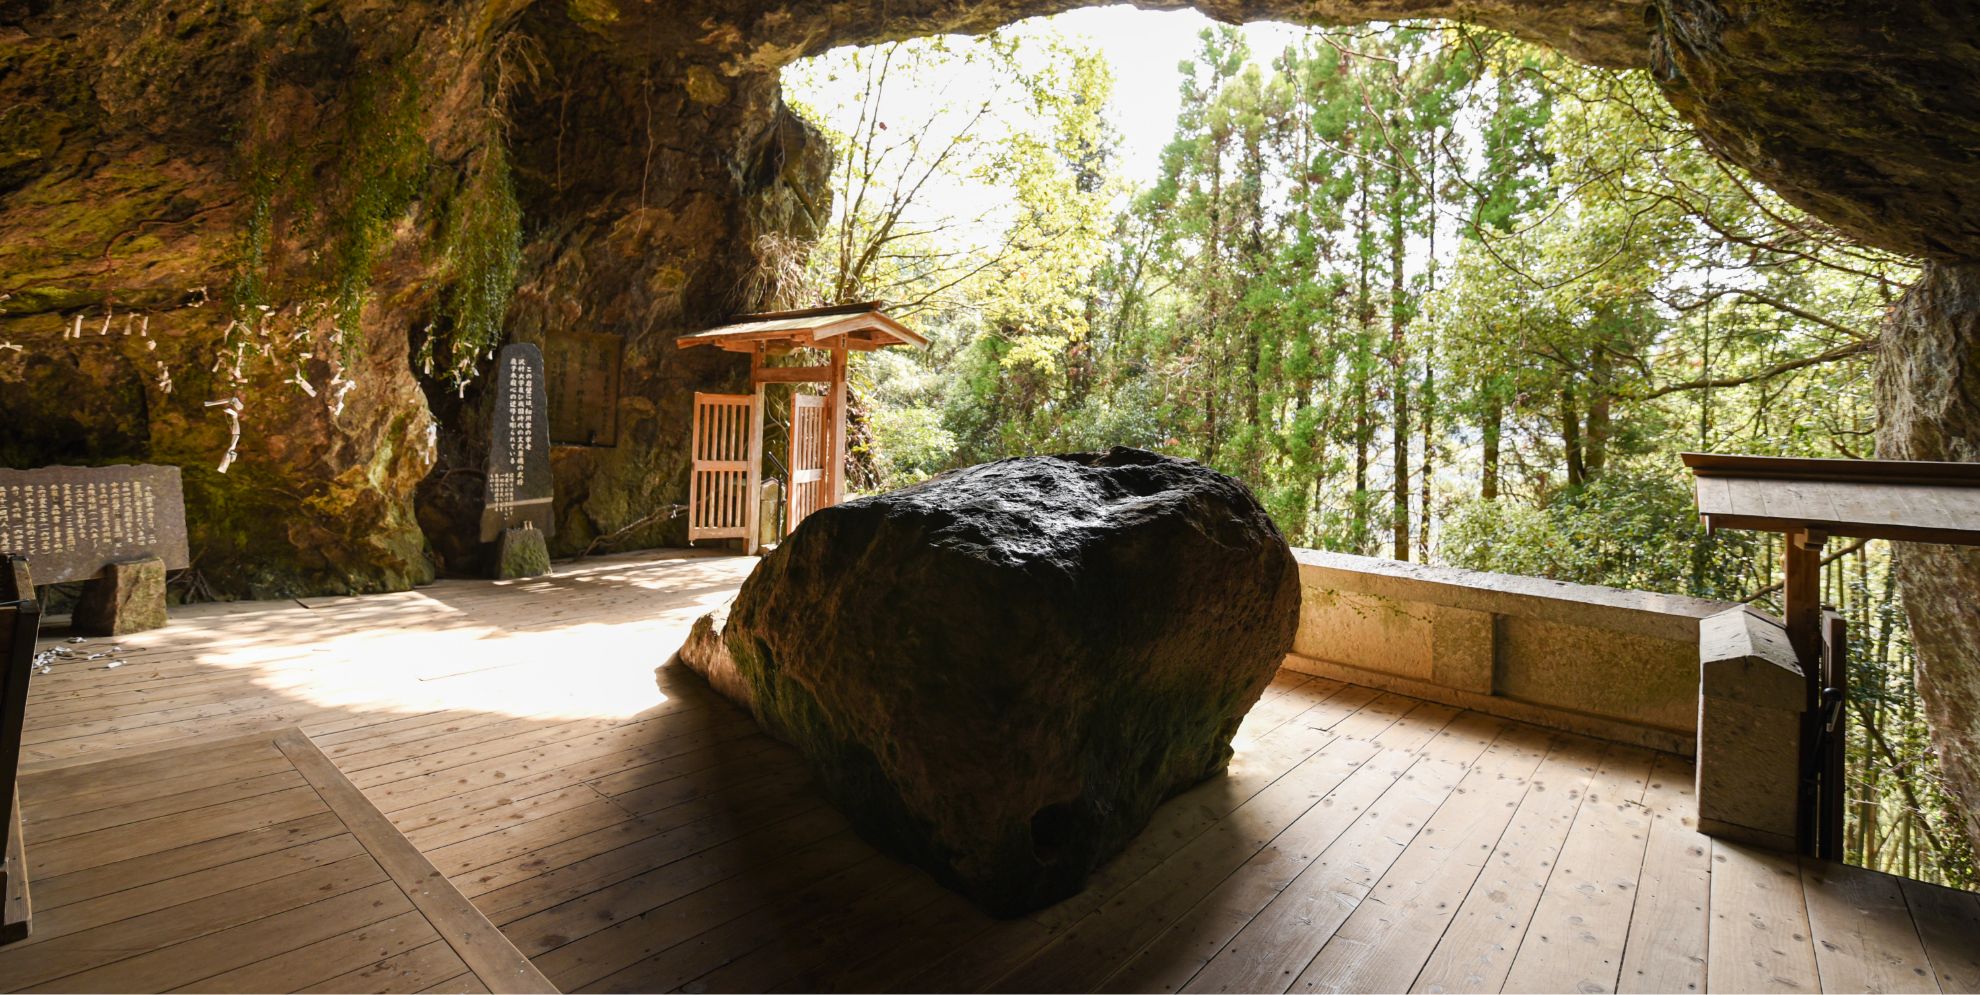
346	197
385	171
379	164
481	243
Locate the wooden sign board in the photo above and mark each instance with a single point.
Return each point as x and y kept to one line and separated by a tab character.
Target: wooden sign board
72	521
517	490
584	387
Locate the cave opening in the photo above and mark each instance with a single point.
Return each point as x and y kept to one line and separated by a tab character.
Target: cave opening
1448	295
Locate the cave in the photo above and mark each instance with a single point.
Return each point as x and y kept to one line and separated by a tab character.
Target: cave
335	212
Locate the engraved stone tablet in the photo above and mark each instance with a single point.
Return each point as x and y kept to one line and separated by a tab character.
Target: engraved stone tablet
584	387
72	521
518	487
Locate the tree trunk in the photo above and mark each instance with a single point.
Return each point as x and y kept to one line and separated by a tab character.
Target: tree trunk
1492	423
1577	472
1426	414
1928	396
1597	446
1398	373
1364	429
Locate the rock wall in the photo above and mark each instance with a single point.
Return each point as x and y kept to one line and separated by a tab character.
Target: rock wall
327	210
1928	390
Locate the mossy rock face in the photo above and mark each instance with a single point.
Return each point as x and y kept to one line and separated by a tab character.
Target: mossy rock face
1926	390
334	211
999	674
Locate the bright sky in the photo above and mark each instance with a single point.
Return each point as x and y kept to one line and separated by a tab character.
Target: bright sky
1144	47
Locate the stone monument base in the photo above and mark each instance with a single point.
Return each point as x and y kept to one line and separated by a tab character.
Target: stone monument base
129	596
521	553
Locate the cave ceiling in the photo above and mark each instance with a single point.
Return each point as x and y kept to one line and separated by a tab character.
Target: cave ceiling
1866	113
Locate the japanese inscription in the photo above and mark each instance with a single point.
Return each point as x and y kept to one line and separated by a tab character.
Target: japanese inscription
518	487
72	521
584	387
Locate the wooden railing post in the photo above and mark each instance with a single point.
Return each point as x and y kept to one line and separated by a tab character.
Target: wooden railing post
1834	733
1801	601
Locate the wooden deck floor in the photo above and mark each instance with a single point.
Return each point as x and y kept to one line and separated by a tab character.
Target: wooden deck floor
629	831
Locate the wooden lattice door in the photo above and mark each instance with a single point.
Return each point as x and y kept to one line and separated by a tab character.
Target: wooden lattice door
718	482
808	484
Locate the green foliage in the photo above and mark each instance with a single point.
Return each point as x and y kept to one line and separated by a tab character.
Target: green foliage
384	168
343	199
481	245
1632	528
1430	292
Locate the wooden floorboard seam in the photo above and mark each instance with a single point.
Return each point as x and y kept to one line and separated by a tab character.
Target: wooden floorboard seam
495	961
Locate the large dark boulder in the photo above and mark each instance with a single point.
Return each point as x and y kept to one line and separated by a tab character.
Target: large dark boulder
1000	673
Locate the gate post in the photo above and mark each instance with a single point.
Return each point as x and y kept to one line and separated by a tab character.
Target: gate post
753	515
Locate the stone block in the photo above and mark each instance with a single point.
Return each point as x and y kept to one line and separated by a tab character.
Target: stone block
1750	700
128	596
1464	649
521	553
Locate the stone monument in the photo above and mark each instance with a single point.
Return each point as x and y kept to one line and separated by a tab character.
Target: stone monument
516	499
115	528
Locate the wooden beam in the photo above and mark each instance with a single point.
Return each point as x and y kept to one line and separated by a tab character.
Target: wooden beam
1835	668
790	374
492	958
1801	597
1885	472
836	453
753	514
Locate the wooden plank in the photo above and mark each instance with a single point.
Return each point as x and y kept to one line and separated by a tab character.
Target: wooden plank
51	807
1276	945
166	865
28	965
1575	942
1668	929
636	950
1319	796
415	970
47	829
1477	948
480	945
544	923
1382	945
1948	922
1865	938
1759	939
761	923
465	984
138	839
183	963
791	374
755	952
135	770
325	958
191	887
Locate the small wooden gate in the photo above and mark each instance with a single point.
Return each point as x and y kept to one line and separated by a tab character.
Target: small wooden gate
808	483
718	483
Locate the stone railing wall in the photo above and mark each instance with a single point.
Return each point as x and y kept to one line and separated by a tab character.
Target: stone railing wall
1619	665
